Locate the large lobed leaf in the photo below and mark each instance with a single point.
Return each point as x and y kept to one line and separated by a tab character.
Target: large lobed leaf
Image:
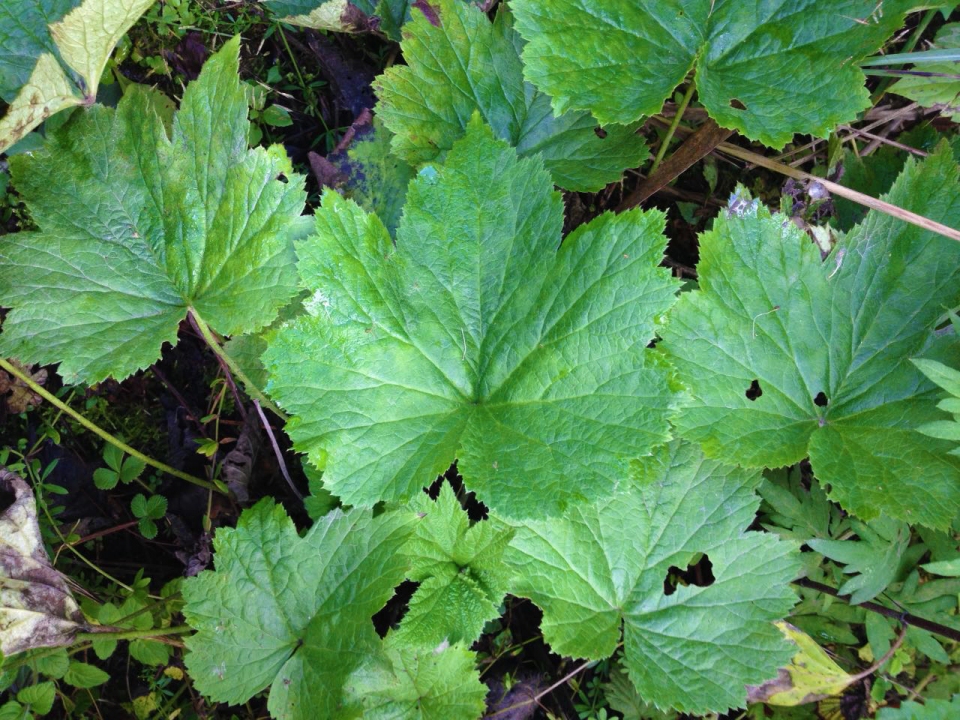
290	613
828	344
475	338
458	63
769	69
52	54
603	566
136	227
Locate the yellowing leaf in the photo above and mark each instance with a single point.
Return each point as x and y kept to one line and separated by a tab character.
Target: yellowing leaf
37	608
33	33
48	91
810	676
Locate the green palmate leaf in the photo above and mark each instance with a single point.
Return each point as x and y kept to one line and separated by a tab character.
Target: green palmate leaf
52	54
461	64
768	69
787	356
474	338
601	566
137	227
292	613
414	683
875	557
460	571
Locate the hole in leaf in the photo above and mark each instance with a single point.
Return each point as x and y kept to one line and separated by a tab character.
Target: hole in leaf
600	132
476	510
282	178
754	391
821	399
392	613
737	105
699	573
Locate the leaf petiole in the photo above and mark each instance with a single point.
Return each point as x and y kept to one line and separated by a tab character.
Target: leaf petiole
248	384
94	428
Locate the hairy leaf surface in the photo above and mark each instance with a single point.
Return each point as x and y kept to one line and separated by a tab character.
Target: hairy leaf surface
603	566
136	227
461	64
460	570
475	338
788	356
292	613
768	69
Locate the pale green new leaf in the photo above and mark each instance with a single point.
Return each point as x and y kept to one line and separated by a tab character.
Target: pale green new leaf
136	227
601	567
292	613
466	64
460	571
52	54
769	69
475	338
828	344
948	379
416	683
934	91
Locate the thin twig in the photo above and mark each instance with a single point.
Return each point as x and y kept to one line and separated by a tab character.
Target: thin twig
886	656
276	450
844	192
905	618
252	390
536	698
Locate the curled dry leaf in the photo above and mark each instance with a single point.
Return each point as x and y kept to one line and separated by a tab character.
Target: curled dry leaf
36	606
20	396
